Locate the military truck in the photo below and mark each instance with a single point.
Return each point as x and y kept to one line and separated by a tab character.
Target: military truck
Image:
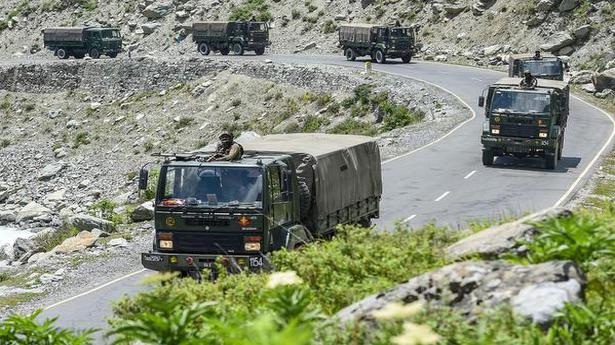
79	41
525	119
379	42
225	37
284	191
545	66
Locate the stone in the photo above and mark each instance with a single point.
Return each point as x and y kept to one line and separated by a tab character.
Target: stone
30	211
84	184
56	196
474	285
52	114
558	41
86	222
143	212
149	28
589	88
568	5
454	9
118	242
7	216
83	240
492	50
440	58
157	10
604	80
566	51
541	301
545	5
582	31
605	93
310	45
50	170
500	239
581	77
24	248
95	106
72	124
182	14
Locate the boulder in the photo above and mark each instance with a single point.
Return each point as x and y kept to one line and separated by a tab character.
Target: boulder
568	5
605	93
566	51
604	80
478	285
30	211
8	216
492	50
24	248
581	77
143	212
500	239
545	5
440	58
558	41
589	88
454	9
87	222
582	31
118	242
56	196
149	28
83	240
157	10
50	170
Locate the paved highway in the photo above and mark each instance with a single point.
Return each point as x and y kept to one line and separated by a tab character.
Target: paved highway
444	182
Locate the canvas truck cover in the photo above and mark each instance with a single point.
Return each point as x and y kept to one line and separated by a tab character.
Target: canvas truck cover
360	33
210	28
64	34
339	170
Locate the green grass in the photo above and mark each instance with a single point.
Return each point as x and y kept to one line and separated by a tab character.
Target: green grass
353	126
80	139
245	11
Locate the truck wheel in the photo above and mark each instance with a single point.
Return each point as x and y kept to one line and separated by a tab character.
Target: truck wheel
488	157
551	160
224	51
113	55
94	53
259	51
62	53
305	199
380	58
350	54
237	49
204	48
406	58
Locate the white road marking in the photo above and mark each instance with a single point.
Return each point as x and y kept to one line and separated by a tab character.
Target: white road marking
442	196
409	218
477	79
470	174
94	289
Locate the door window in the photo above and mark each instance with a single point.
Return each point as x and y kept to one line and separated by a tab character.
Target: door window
280	208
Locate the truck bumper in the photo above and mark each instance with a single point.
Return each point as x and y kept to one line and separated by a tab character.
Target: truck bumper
517	145
166	262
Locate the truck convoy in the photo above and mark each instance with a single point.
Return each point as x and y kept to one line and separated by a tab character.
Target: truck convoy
379	42
286	190
545	66
79	41
525	119
225	37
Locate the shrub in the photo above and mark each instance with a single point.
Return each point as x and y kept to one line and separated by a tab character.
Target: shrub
50	240
184	122
295	14
105	209
314	123
81	138
353	126
397	116
329	27
258	8
18	329
4	143
152	184
236	102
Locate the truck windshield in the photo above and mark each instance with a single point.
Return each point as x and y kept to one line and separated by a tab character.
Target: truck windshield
110	34
542	67
400	32
521	102
211	186
257	27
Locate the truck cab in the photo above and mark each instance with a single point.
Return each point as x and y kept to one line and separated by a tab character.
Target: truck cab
525	121
541	65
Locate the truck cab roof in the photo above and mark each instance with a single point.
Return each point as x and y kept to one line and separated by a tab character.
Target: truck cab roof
542	83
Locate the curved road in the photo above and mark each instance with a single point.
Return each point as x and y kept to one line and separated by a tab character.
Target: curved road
443	182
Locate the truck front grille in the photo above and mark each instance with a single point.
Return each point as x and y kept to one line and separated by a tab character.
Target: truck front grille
519	130
202	242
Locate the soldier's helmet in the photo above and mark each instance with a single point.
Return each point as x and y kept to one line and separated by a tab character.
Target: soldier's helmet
225	134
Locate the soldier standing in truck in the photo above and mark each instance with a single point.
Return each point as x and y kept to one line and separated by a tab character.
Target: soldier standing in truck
227	149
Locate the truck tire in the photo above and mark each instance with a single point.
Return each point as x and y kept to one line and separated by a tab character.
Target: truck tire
225	51
350	54
305	199
380	57
259	51
112	55
551	160
488	157
237	49
94	53
62	53
406	58
204	48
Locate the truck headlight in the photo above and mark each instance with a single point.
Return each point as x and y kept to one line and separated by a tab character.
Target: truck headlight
252	246
495	131
542	135
166	244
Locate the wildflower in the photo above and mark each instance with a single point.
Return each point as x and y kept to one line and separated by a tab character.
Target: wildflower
414	334
283	278
398	311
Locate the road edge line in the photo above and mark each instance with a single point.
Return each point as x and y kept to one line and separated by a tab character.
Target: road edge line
94	289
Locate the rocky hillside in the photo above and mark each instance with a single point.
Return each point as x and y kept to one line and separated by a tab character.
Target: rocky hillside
471	31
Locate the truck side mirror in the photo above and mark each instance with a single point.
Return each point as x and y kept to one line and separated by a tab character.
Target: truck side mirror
481	101
143	177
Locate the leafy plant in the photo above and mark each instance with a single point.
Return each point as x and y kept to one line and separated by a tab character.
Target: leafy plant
257	8
17	330
353	126
329	26
81	138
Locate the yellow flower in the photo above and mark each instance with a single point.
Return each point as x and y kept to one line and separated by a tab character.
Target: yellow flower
398	311
283	278
414	334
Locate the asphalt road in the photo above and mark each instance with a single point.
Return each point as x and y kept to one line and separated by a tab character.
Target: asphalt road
444	182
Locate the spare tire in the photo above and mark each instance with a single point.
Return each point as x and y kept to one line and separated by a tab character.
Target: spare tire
305	199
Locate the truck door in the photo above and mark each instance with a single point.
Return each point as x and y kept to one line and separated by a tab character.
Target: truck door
280	205
94	39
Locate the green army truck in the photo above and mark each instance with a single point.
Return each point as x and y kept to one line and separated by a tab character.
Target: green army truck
379	42
540	65
225	37
284	191
79	41
525	120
